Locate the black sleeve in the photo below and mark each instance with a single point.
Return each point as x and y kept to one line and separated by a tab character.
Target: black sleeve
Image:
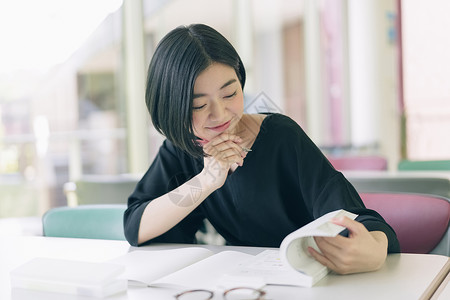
324	189
165	174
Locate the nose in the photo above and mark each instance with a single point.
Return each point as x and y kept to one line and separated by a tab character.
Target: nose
217	110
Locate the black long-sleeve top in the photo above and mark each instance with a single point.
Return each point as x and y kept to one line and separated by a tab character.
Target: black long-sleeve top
285	183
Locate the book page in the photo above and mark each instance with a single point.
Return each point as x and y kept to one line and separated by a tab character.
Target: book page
267	267
205	274
292	264
144	267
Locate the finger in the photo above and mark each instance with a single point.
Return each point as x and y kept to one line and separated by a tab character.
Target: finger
335	259
341	242
217	163
321	258
225	137
329	247
228	155
202	142
227	145
354	227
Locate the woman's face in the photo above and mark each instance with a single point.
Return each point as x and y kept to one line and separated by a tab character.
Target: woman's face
218	102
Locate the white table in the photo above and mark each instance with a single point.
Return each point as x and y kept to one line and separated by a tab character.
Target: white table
443	291
404	276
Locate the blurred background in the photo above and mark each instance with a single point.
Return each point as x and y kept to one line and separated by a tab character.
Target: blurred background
362	77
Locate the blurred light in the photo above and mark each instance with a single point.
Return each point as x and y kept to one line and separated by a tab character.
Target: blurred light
42	133
9	159
38	34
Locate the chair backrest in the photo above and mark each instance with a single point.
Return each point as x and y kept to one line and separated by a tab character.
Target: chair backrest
102	221
424	165
420	221
398	183
358	163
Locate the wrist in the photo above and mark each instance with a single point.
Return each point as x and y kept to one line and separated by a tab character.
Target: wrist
210	181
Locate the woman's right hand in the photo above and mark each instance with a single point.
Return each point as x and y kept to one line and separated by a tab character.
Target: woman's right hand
223	152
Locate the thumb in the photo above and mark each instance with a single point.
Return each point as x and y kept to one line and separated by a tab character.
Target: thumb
353	227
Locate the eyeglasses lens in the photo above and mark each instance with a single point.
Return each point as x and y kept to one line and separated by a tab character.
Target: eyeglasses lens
242	294
195	295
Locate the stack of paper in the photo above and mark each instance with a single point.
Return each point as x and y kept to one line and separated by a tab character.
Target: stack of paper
69	277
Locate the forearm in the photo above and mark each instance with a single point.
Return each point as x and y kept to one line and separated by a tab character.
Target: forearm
373	223
164	212
380	237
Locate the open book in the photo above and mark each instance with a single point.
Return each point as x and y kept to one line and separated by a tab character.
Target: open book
196	267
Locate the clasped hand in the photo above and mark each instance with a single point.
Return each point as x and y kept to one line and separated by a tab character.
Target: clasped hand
361	251
223	152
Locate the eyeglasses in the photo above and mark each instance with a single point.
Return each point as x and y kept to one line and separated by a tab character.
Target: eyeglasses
238	293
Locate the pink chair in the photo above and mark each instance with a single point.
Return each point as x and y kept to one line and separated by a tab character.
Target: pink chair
358	163
420	221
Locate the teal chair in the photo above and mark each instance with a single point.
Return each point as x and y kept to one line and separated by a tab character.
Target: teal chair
96	221
424	165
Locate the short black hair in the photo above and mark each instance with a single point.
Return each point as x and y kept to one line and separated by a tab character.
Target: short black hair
179	58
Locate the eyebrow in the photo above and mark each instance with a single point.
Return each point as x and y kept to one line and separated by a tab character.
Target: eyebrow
222	87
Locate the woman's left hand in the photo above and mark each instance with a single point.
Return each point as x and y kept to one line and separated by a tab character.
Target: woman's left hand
361	251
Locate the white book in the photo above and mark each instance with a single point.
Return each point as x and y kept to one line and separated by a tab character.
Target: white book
69	277
196	267
292	264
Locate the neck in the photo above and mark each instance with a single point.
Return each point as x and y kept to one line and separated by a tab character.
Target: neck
248	129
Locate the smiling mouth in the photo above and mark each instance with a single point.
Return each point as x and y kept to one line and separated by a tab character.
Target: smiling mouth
221	127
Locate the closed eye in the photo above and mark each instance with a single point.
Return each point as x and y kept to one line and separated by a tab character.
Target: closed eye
231	96
198	107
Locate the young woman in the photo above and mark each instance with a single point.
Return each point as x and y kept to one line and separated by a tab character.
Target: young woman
256	178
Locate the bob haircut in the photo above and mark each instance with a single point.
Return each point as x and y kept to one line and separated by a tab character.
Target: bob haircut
179	58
